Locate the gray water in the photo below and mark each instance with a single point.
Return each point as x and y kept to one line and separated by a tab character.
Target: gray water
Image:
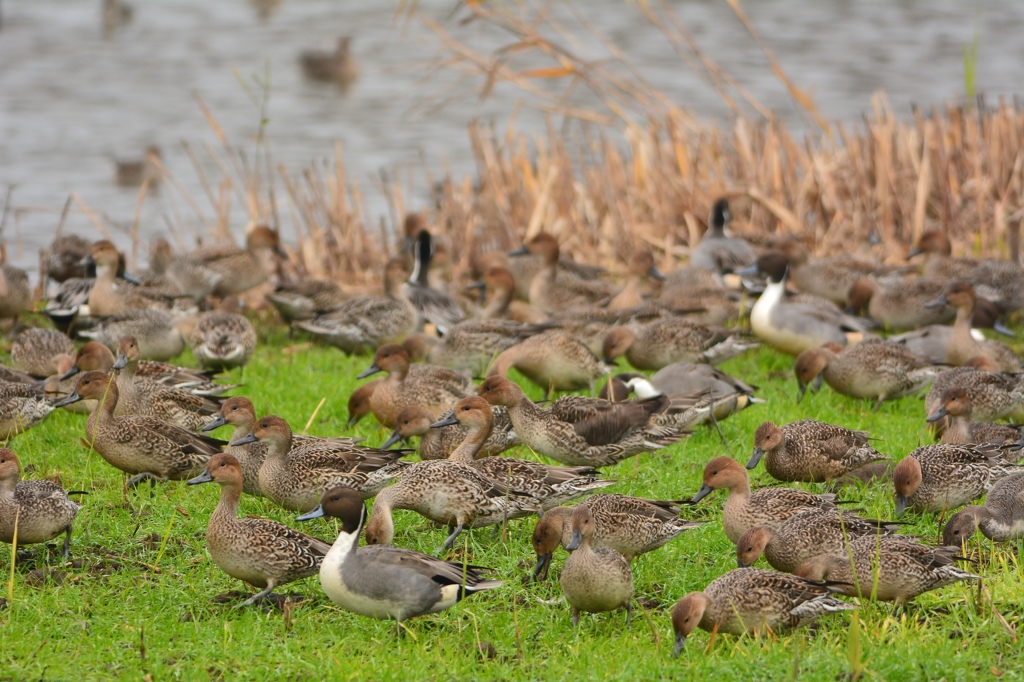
70	100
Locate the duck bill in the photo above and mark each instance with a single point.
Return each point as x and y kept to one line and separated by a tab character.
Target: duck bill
680	642
914	252
445	422
801	391
129	278
352	421
392	439
521	251
755	459
657	274
1001	328
476	286
217	422
245	440
122	360
937	415
748	271
740	563
73	398
704	491
280	252
204	477
314	513
937	303
575	540
369	371
901	505
70	373
540	571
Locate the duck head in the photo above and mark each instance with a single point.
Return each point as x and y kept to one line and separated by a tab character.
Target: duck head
391	358
767	437
906	478
720	472
686	616
222	469
414	420
237	411
751	545
498	390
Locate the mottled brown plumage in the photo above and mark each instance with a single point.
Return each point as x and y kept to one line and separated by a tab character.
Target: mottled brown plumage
809	450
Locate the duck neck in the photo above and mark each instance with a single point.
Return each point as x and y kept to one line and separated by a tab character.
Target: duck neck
384	525
739	493
7	486
471	444
227	507
959	429
398	374
278	448
498	306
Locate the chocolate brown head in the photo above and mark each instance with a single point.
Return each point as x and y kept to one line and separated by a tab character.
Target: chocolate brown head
616	342
932	241
955	402
721	472
497	390
391	358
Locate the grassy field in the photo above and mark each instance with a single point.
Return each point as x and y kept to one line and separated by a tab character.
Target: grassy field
141	598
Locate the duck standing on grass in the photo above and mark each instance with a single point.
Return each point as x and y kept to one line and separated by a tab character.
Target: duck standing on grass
594	579
37	511
385	582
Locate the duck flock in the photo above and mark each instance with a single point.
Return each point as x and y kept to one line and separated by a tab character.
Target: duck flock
445	346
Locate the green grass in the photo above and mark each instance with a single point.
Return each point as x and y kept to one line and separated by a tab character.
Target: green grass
141	595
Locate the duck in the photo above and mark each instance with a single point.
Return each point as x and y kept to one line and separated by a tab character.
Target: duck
957	405
22	406
994	395
365	323
602	436
744	509
145	447
472	345
183	272
436	388
305	299
727	394
872	369
433	305
114	291
133	172
38	510
549	486
642	269
385	582
899	302
17	376
805	535
630	525
827	277
810	450
553	360
753	600
295	475
259	552
938	477
449	493
62	259
664	342
1000	519
35	351
550	293
359	403
714	306
937	250
594	579
795	327
438	442
160	335
141	397
499	286
243	269
894	568
223	339
718	252
338	67
962	344
15	293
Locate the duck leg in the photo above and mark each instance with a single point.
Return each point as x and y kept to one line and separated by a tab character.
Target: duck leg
66	552
134	481
629	613
271	584
451	538
575	617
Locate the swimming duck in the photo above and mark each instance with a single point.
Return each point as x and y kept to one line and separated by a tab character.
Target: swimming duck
550	293
872	369
449	493
140	445
260	552
223	339
795	327
744	509
1001	518
440	442
39	510
160	335
962	344
887	568
306	299
553	360
35	351
15	294
956	404
22	406
295	475
240	413
641	269
366	322
436	388
385	582
606	435
810	450
594	579
359	403
133	172
716	251
549	486
663	342
338	67
433	305
939	477
630	525
243	269
753	600
141	397
805	535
